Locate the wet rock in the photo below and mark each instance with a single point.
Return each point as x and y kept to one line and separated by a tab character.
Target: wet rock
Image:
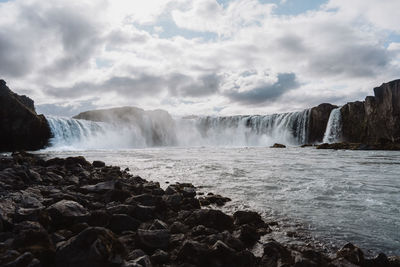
95	246
66	212
379	261
275	253
98	164
210	218
213	199
276	145
249	217
351	253
247	234
153	239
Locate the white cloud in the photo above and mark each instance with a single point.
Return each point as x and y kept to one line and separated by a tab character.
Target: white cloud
74	51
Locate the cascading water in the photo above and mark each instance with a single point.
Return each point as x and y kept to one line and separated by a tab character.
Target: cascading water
148	131
333	132
287	128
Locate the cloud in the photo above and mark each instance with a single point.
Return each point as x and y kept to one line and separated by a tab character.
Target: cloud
189	55
266	92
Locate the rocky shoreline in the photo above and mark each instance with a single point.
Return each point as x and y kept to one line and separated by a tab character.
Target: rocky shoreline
69	212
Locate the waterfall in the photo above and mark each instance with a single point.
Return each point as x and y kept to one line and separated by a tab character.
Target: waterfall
150	131
333	132
287	128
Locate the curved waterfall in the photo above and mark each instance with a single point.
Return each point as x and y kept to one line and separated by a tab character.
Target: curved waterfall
333	133
256	130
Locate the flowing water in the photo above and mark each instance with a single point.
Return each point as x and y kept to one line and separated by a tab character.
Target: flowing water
336	196
334	127
332	197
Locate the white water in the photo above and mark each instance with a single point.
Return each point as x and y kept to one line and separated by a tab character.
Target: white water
336	196
257	130
333	131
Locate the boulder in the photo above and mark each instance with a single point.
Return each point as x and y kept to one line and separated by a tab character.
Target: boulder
95	246
20	127
276	145
122	222
153	239
65	212
210	218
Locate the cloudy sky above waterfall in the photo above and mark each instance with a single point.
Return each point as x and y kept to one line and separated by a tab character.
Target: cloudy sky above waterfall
197	56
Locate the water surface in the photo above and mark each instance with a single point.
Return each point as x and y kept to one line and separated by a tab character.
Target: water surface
337	196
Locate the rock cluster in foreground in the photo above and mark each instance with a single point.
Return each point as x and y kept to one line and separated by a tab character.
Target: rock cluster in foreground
69	212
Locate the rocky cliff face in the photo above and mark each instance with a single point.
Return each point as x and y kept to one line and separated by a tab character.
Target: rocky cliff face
319	117
20	126
375	120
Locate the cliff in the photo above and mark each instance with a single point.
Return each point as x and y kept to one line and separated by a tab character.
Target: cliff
375	120
318	121
20	126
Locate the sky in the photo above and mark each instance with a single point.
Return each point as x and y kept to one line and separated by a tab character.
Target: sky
200	57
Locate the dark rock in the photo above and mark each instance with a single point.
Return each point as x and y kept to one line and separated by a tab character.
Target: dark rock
37	242
194	252
248	217
153	239
122	222
178	228
376	118
351	253
98	164
100	187
318	121
379	261
275	252
99	218
247	234
20	126
213	199
95	246
160	257
66	212
22	261
210	218
145	200
276	145
158	225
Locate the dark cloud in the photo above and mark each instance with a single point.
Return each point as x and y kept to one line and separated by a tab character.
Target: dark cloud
265	93
13	61
351	61
182	85
142	86
65	110
73	33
